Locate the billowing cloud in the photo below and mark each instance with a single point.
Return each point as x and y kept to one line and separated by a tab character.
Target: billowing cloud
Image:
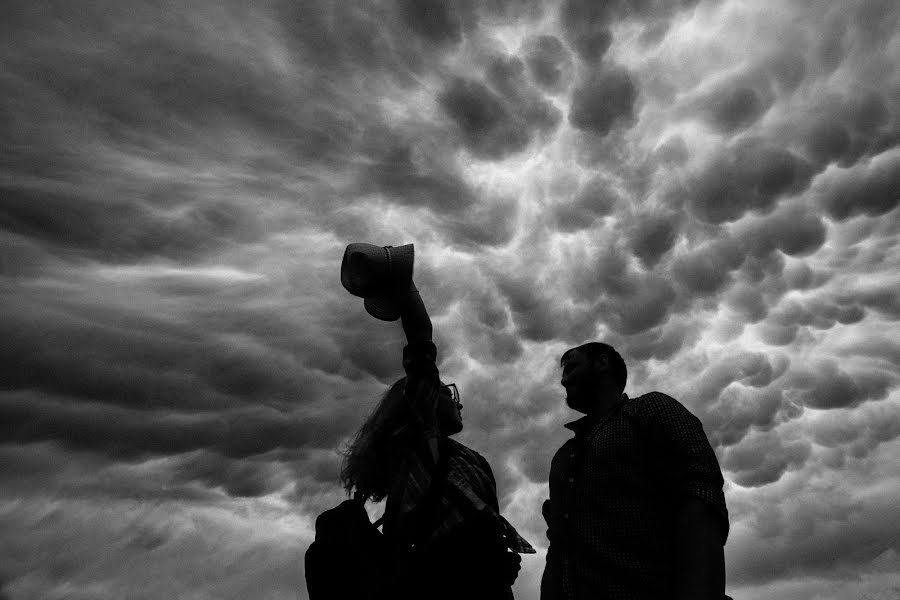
826	386
792	230
653	235
764	458
663	341
408	175
486	124
596	198
438	22
751	175
494	124
734	104
706	268
869	189
603	100
549	62
588	25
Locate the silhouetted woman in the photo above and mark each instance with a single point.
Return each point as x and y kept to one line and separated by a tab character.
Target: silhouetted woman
442	516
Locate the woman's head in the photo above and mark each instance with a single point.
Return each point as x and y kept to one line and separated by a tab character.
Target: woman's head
448	411
370	455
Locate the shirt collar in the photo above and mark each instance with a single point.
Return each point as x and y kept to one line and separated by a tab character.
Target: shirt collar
587	422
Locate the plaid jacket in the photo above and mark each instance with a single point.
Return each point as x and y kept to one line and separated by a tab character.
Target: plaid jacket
614	488
469	488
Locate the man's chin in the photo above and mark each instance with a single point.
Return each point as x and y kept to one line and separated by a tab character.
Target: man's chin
574	402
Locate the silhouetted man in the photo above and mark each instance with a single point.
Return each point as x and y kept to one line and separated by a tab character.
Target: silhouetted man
636	508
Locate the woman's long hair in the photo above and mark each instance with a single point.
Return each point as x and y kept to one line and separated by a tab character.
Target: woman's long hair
369	457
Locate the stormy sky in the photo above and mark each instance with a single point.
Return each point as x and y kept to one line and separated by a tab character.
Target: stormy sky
709	185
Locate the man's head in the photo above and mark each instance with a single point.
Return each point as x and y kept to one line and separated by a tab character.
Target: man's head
593	373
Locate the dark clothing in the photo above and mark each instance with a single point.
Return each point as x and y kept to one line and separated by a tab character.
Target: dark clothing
442	513
348	558
469	559
416	443
614	491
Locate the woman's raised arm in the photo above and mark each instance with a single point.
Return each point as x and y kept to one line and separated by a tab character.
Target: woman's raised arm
414	316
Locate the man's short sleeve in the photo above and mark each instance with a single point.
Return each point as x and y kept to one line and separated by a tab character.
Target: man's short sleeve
694	467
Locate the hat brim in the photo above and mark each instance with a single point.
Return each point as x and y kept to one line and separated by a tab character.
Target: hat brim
385	308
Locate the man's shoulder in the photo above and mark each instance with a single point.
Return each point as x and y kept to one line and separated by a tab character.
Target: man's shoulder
651	401
565	448
656	405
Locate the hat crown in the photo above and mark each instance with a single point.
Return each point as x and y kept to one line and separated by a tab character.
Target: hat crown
377	273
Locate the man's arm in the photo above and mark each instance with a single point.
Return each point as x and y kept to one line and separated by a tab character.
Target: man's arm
701	517
699	552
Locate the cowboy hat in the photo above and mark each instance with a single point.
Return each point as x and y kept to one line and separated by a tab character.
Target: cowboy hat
378	274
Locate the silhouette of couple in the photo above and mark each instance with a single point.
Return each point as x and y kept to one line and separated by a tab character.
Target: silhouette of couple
636	509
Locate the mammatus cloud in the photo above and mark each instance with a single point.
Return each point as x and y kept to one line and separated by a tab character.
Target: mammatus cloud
710	186
549	62
603	100
596	198
751	175
869	190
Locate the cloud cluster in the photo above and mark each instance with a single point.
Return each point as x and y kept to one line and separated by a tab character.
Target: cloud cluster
502	119
604	99
751	175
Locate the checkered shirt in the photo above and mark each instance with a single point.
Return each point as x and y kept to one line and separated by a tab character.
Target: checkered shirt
470	487
614	489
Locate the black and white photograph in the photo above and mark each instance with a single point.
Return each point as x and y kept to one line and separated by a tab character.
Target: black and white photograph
450	299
